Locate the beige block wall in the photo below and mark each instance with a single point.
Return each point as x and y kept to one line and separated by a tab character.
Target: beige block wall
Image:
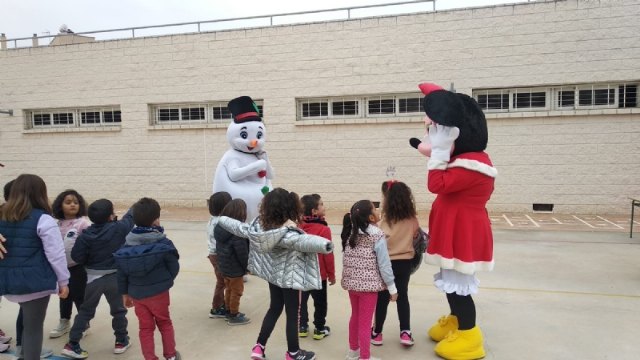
588	162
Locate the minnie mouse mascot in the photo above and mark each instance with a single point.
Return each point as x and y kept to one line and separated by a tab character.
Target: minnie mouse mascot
461	241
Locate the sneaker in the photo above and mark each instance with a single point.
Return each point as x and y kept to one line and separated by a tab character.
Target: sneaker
319	334
74	351
303	331
257	353
175	357
353	355
376	339
62	328
4	338
406	339
300	355
238	319
245	278
219	313
121	346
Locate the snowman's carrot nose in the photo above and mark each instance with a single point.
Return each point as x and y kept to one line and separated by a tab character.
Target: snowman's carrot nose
254	142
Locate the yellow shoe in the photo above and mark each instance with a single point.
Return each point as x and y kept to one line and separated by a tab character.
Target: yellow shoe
441	328
462	345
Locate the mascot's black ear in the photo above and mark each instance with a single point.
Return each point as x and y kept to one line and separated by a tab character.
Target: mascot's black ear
473	127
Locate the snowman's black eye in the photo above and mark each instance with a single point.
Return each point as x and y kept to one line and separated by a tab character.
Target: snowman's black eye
244	134
259	135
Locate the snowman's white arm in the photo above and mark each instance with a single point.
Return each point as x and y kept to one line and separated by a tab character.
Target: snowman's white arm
270	173
237	173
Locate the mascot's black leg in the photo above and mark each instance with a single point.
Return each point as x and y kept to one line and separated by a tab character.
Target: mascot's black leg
465	310
452	304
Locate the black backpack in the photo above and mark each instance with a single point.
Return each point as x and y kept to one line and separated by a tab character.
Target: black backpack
420	244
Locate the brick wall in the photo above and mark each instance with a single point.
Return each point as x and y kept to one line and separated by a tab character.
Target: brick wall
588	162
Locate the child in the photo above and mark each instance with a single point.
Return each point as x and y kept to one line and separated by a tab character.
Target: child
315	224
147	267
34	266
286	257
70	209
366	270
94	250
233	258
400	226
217	202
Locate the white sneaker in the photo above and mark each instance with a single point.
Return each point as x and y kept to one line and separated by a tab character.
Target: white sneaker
62	328
353	355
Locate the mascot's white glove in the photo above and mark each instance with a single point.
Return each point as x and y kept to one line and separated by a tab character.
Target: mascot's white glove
442	139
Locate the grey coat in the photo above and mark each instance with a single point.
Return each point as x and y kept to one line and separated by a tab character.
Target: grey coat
285	257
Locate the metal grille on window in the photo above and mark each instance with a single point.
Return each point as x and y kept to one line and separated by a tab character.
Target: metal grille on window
597	97
192	113
628	96
315	109
221	112
62	118
90	117
496	100
169	114
112	116
381	106
409	105
566	97
41	119
342	108
529	99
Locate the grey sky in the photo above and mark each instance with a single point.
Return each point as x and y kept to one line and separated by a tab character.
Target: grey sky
23	18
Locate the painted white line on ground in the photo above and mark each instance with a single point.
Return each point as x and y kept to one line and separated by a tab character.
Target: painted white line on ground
507	219
610	222
533	221
584	222
556	220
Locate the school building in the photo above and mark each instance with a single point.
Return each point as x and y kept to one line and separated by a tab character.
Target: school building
146	116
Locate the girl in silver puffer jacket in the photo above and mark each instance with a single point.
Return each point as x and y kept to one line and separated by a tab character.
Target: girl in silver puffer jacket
286	257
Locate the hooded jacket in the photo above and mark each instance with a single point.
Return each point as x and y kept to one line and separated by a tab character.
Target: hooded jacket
147	264
285	257
94	248
233	253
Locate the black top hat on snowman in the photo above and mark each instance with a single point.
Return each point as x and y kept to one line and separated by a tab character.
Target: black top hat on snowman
244	109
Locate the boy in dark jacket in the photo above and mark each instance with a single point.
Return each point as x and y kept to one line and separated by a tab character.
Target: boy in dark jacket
233	259
147	267
94	249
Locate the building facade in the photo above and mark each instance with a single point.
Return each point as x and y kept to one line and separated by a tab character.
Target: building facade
137	117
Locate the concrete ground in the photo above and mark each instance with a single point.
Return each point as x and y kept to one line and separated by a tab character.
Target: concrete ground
559	291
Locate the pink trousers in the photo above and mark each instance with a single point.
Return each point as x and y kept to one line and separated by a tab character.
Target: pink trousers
363	305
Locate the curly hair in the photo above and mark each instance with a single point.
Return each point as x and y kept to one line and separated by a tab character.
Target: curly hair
278	206
56	207
398	202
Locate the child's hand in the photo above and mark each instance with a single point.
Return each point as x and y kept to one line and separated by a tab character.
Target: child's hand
63	292
332	281
128	302
394	297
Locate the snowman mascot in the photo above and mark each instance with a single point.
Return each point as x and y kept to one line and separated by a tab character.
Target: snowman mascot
244	170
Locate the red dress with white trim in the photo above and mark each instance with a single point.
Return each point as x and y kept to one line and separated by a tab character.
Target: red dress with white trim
459	227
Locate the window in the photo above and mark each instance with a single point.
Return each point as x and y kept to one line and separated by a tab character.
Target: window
360	106
210	112
78	117
493	100
566	97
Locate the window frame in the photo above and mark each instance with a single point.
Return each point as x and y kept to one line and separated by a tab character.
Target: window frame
75	115
208	113
362	106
